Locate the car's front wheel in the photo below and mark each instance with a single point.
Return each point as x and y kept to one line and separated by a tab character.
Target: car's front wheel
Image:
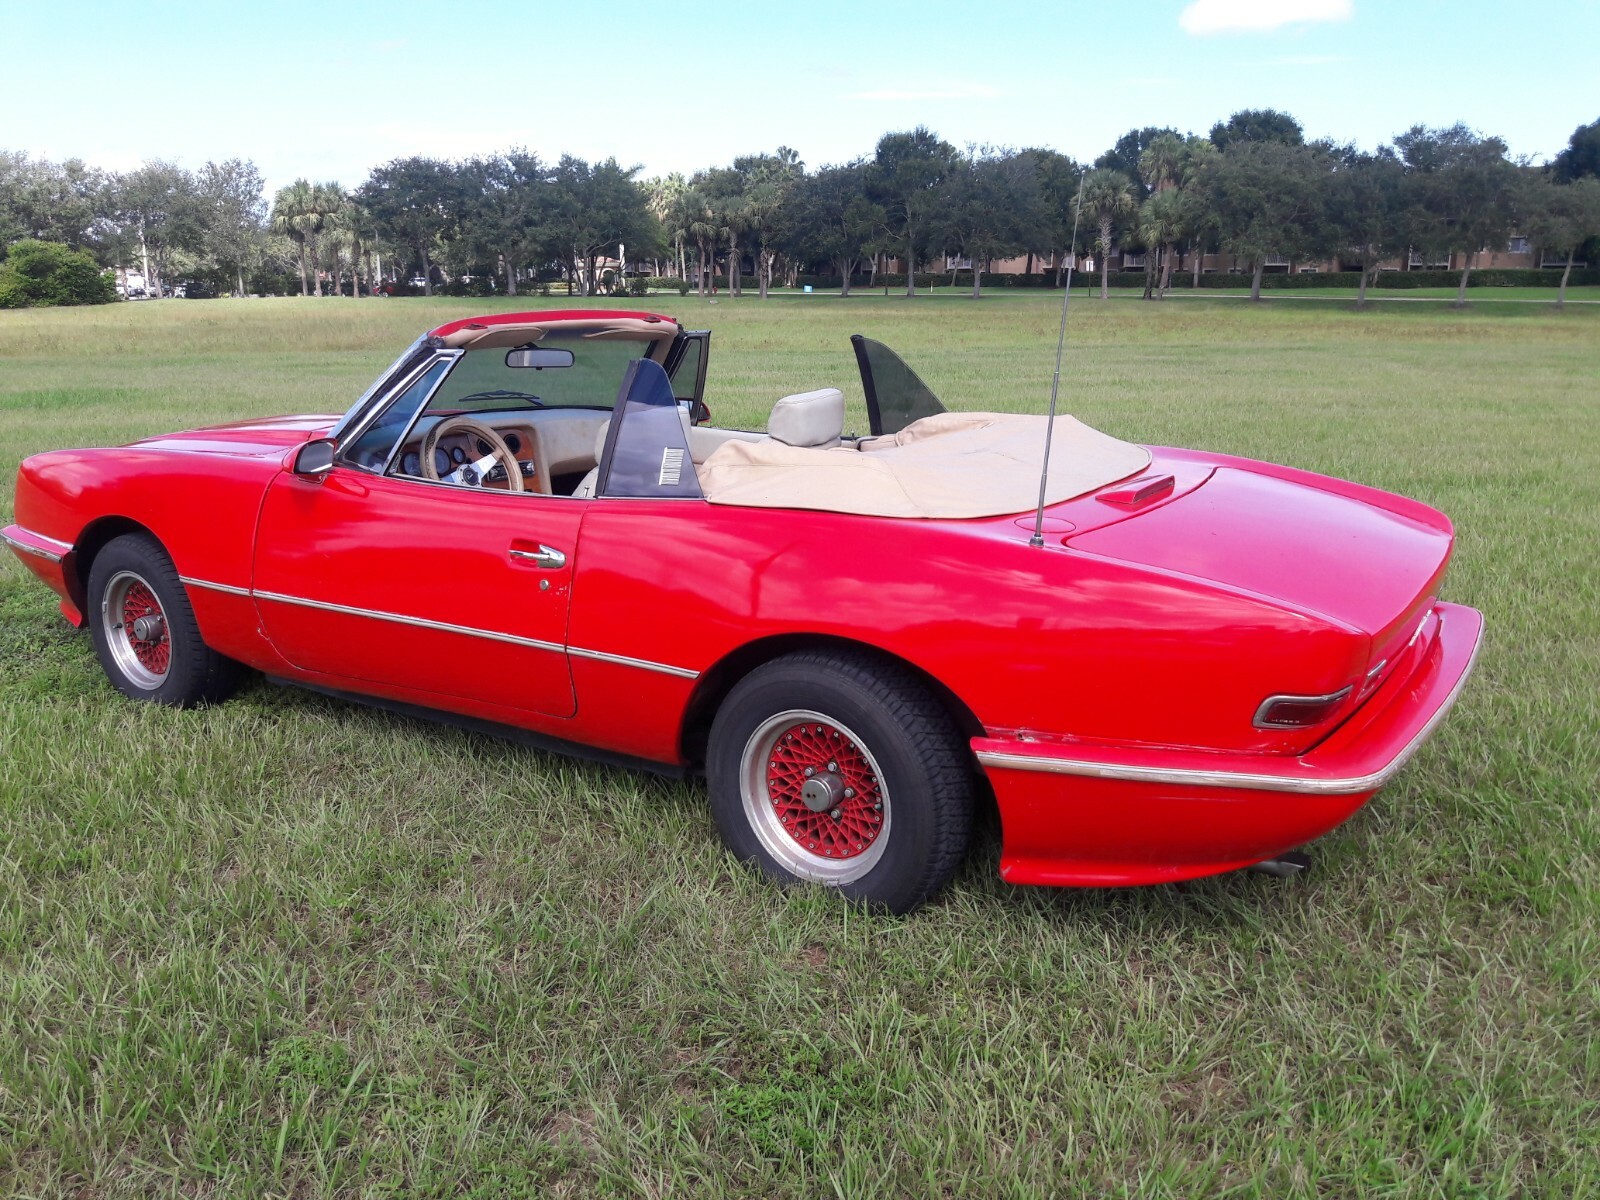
145	632
842	769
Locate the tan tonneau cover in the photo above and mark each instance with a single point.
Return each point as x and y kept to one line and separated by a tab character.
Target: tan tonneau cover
949	465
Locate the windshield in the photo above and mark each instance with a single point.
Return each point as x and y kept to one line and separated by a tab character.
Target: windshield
485	381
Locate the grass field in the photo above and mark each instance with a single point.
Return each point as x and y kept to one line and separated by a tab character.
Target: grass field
291	947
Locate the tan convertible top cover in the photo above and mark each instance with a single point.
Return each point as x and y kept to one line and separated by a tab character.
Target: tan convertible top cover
950	465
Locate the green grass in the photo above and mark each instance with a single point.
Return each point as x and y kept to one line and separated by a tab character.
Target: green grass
291	947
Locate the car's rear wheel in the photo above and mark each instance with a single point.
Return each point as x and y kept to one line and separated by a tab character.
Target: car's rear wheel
841	769
144	629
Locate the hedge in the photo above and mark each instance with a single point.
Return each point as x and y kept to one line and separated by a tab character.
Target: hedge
46	274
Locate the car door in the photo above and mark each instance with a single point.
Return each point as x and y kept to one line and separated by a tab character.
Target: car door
447	591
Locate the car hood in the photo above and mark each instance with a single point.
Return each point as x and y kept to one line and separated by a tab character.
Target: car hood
258	438
1355	556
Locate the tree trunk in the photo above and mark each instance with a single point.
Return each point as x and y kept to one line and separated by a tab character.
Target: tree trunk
316	268
427	271
911	263
1199	257
305	286
1561	292
977	277
1166	271
845	265
1461	291
1361	288
1029	268
239	268
733	264
1105	257
1255	279
1059	259
511	277
763	272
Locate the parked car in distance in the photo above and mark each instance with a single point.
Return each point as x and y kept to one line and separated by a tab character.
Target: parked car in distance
1186	664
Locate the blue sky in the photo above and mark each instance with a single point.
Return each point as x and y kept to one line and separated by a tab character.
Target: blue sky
328	89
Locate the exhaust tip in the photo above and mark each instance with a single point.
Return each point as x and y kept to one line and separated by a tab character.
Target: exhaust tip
1284	866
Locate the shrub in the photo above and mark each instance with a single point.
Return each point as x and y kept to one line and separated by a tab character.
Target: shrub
44	274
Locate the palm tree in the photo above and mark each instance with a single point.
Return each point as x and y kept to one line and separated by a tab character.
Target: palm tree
666	193
328	200
1161	223
1108	195
702	223
293	214
1161	162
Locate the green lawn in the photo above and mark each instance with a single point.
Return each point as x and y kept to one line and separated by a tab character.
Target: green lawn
292	947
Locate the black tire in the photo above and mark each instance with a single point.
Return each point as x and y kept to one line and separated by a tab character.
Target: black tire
901	749
193	672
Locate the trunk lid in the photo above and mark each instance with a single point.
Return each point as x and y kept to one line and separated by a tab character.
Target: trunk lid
1362	558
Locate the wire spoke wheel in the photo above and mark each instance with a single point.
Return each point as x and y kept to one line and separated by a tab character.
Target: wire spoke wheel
815	796
135	628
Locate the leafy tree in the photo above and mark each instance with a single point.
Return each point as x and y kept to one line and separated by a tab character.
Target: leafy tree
990	207
834	219
1582	156
505	203
413	202
1366	203
1125	155
233	215
54	202
1560	217
157	209
1265	199
905	174
1057	177
1257	125
594	209
37	274
1462	187
1108	199
768	192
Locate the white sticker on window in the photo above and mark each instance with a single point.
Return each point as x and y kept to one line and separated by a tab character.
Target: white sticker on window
671	468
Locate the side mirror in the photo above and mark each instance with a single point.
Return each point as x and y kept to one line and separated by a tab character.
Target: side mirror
314	458
699	412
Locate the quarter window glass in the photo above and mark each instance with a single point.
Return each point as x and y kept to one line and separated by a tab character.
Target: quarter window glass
371	449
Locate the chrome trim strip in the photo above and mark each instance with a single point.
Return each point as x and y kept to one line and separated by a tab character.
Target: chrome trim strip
624	661
214	587
1243	780
54	556
577	652
417	622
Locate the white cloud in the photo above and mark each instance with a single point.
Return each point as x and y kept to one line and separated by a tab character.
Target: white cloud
969	91
1205	17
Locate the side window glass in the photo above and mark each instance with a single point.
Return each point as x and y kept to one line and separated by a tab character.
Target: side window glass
647	452
371	450
686	375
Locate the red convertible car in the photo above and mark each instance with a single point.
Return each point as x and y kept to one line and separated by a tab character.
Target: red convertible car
528	523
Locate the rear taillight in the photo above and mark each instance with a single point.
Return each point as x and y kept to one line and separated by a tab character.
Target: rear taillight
1298	712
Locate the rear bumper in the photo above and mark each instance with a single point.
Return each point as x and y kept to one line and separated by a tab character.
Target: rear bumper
1129	815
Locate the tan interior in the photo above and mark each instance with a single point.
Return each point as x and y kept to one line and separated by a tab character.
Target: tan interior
952	465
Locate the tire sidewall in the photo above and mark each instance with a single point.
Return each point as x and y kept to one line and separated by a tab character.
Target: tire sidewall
144	556
895	882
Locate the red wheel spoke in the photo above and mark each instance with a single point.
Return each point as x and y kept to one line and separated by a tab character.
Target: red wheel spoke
828	753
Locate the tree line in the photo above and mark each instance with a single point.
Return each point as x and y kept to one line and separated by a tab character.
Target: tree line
1253	188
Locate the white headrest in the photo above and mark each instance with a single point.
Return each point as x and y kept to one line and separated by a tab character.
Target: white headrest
808	418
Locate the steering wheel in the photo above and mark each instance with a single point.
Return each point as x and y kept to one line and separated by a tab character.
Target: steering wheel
472	473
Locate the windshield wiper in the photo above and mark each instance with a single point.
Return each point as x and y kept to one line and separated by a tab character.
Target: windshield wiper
501	394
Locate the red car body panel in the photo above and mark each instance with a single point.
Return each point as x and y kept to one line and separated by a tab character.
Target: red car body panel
1108	680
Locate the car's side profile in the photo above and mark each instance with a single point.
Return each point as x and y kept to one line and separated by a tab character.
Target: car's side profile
527	522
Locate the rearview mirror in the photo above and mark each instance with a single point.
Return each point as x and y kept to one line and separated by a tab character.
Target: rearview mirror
315	458
538	358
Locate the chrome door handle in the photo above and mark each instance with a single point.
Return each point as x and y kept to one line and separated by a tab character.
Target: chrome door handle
545	556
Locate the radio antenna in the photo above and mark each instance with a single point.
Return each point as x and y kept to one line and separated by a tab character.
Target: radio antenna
1055	381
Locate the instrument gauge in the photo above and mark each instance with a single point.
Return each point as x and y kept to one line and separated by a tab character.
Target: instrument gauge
441	461
411	463
458	455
